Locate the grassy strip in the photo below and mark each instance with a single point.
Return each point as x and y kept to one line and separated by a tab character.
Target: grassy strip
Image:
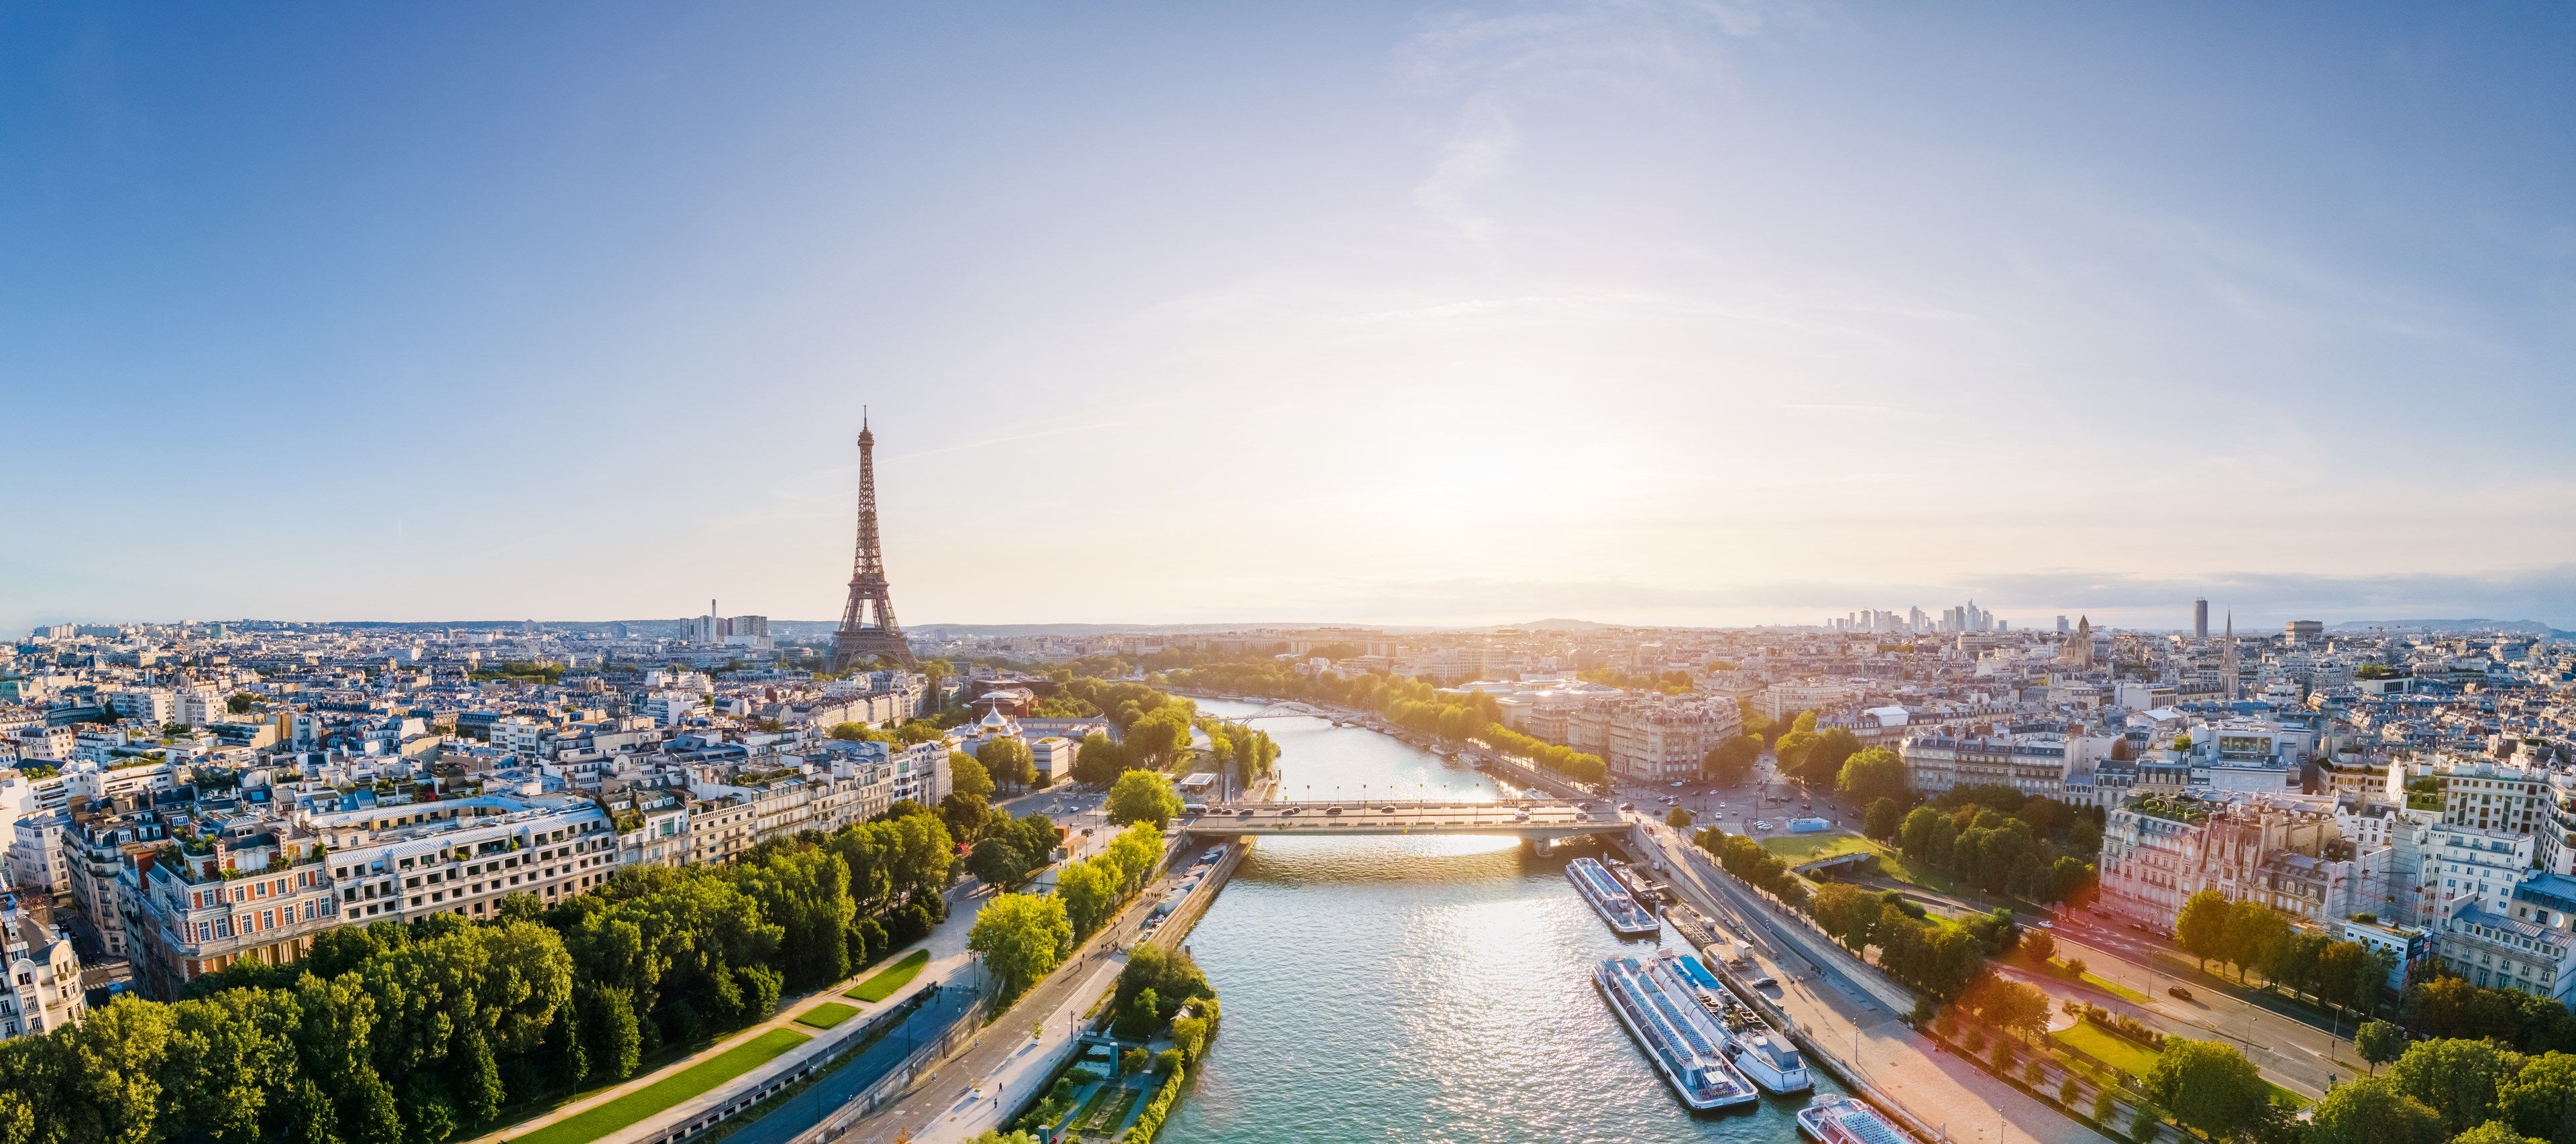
891	978
2135	1059
696	1080
826	1015
1803	848
2127	1056
2114	988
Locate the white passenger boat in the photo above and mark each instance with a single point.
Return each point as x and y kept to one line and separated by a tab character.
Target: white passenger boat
1611	900
1762	1054
1686	1045
1770	1060
1843	1120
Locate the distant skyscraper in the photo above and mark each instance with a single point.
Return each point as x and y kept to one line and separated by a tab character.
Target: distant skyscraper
2061	624
2200	619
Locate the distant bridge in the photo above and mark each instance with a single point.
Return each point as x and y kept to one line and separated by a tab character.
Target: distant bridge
1279	710
1524	818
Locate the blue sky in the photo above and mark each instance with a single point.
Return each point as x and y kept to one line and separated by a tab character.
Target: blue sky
1636	312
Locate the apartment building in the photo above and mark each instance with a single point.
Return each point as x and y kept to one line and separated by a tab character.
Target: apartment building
1659	738
2036	762
1785	700
2495	796
2283	852
2525	943
44	986
224	891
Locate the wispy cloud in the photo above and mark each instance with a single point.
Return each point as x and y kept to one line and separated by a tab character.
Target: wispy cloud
1486	63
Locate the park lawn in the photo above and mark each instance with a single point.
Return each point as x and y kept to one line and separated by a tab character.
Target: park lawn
891	978
827	1015
1802	848
2056	967
2135	1059
2127	1056
594	1123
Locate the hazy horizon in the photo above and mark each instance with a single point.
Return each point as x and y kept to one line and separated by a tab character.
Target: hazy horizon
1457	314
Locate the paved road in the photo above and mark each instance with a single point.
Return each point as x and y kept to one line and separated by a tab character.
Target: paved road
2297	1055
1843	1006
952	1088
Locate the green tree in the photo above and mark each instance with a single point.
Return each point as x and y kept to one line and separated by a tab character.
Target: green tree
998	863
1834	746
2540	1100
2201	928
1143	796
2146	1122
1008	760
1677	818
2252	931
2379	1043
1021	939
1873	774
967	776
1099	762
2040	945
2493	1132
1730	761
240	703
2373	1111
2456	1077
2209	1086
1792	749
1883	819
1088	895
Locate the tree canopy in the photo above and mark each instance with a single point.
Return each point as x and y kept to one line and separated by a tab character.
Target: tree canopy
1021	938
1143	796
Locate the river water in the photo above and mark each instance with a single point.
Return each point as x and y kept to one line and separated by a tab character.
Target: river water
1418	989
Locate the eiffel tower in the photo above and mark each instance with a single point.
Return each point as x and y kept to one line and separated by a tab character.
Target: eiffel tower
862	638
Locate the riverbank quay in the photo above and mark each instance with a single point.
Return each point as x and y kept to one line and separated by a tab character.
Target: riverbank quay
1024	1077
1852	1022
996	1072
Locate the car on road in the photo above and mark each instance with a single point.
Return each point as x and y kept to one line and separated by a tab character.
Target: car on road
1521	817
1761	824
1386	810
1334	810
2180	993
1246	812
1627	806
2044	923
1287	812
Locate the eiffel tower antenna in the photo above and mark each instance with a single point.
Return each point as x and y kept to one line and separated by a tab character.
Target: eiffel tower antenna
868	630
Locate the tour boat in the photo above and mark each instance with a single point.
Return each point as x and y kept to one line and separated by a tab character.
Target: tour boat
1760	1053
1843	1120
1683	1041
1611	900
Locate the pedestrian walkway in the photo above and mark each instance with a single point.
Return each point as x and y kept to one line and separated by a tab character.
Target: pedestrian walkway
1023	1075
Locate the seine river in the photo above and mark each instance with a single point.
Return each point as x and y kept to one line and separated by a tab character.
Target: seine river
1432	989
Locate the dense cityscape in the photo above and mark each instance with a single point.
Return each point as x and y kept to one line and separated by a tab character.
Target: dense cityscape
434	881
1602	571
